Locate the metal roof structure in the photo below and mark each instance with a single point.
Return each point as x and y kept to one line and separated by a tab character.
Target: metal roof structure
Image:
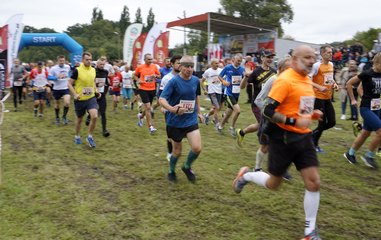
221	24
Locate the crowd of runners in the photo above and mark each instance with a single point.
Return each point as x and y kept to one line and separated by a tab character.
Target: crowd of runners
285	99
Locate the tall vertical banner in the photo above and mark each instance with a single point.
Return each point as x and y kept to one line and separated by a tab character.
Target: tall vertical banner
15	29
215	50
138	49
160	49
3	58
153	34
132	33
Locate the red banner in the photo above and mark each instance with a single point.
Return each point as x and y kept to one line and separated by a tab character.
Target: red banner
160	49
137	50
3	57
269	45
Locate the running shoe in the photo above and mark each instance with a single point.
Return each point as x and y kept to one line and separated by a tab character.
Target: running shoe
152	130
239	138
357	127
90	141
219	128
369	161
189	173
40	115
258	170
65	121
351	158
232	132
172	177
106	133
57	121
287	176
206	117
239	182
319	150
77	141
140	120
314	235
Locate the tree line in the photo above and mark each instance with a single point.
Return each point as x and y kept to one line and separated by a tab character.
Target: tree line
105	37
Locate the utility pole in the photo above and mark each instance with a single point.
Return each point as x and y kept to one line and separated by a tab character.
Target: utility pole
118	44
185	38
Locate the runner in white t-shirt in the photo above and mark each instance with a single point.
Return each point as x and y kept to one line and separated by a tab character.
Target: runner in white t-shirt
127	85
214	90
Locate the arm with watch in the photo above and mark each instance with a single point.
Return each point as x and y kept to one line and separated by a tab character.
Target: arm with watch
303	121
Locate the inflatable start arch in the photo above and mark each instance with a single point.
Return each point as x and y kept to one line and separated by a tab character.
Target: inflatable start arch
53	39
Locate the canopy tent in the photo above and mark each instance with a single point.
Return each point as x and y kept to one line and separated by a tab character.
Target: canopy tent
221	24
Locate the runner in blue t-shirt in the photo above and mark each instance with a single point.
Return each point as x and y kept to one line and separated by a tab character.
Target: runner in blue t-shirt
181	97
235	76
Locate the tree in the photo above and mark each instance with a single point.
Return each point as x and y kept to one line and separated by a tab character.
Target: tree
96	15
124	21
367	38
263	12
138	16
150	20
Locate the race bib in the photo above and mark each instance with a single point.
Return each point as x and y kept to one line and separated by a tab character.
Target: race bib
236	89
188	105
236	79
17	83
101	81
328	78
149	79
215	80
375	104
87	91
306	105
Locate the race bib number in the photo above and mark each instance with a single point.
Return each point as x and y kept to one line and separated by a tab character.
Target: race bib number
328	78
215	80
306	105
101	81
149	79
236	89
375	104
116	84
188	105
87	91
236	79
17	83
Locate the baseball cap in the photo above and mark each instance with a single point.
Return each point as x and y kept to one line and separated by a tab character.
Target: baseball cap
267	53
40	63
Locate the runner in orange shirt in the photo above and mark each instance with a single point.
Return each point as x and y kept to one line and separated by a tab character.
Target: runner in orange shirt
290	108
146	75
322	76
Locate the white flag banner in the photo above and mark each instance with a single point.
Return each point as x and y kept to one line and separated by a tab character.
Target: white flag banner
15	29
132	33
154	33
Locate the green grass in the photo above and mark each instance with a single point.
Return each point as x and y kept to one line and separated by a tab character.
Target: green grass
53	189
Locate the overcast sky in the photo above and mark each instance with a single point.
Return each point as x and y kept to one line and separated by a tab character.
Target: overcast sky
314	21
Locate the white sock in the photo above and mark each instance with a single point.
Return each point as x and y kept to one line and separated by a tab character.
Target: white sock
258	178
260	157
77	136
311	207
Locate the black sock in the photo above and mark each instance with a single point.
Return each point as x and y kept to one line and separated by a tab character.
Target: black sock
241	133
57	112
169	146
66	109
